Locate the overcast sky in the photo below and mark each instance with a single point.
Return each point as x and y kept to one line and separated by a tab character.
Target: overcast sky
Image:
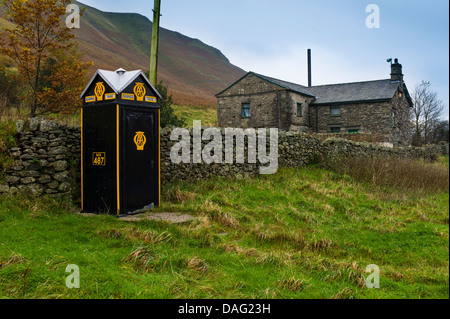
272	37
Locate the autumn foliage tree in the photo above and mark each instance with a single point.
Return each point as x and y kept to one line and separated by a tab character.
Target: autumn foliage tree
46	55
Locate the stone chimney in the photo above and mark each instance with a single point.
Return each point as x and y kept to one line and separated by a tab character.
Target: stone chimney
396	72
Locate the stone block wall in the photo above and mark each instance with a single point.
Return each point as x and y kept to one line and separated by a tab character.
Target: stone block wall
369	117
263	112
275	106
295	149
271	106
48	157
355	137
337	147
401	113
298	122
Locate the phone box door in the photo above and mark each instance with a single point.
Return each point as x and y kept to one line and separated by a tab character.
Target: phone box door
140	158
99	159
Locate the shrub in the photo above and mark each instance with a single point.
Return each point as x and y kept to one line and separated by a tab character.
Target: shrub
7	140
10	90
168	116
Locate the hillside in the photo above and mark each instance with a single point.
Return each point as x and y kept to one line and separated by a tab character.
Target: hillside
192	70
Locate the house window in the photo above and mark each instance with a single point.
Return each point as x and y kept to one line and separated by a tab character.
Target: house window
246	110
299	109
335	129
335	110
353	130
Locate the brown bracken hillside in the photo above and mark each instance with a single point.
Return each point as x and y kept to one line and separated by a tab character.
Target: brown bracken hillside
193	71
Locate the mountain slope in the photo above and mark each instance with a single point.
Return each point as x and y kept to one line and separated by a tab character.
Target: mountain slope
193	71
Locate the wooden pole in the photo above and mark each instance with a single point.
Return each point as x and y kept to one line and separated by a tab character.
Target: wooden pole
309	69
155	41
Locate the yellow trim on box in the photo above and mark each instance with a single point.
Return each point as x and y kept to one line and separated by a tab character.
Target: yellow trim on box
159	155
110	96
90	99
150	99
130	96
82	172
118	158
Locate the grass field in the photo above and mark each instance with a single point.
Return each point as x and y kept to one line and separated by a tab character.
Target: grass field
207	115
303	233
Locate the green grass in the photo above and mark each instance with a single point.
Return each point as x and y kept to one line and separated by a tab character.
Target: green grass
303	233
444	160
207	115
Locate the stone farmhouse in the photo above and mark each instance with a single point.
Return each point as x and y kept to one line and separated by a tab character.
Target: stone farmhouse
379	107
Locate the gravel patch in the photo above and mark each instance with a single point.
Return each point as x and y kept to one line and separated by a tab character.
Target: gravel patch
175	218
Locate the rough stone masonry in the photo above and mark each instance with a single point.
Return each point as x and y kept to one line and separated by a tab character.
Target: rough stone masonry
48	157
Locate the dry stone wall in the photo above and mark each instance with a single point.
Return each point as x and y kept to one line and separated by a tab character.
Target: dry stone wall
48	157
337	147
295	149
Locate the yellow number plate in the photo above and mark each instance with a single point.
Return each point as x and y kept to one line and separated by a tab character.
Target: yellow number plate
98	159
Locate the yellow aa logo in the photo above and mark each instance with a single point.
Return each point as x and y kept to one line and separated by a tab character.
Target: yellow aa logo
139	91
99	91
140	140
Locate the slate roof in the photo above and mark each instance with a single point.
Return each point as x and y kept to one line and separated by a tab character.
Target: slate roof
287	85
354	92
119	80
379	90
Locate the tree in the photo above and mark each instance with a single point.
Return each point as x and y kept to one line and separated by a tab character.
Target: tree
439	132
168	117
426	112
37	36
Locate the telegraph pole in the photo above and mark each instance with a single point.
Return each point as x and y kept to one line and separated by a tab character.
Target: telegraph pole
155	42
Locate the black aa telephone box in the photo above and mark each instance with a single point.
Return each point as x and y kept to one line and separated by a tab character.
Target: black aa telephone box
120	138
